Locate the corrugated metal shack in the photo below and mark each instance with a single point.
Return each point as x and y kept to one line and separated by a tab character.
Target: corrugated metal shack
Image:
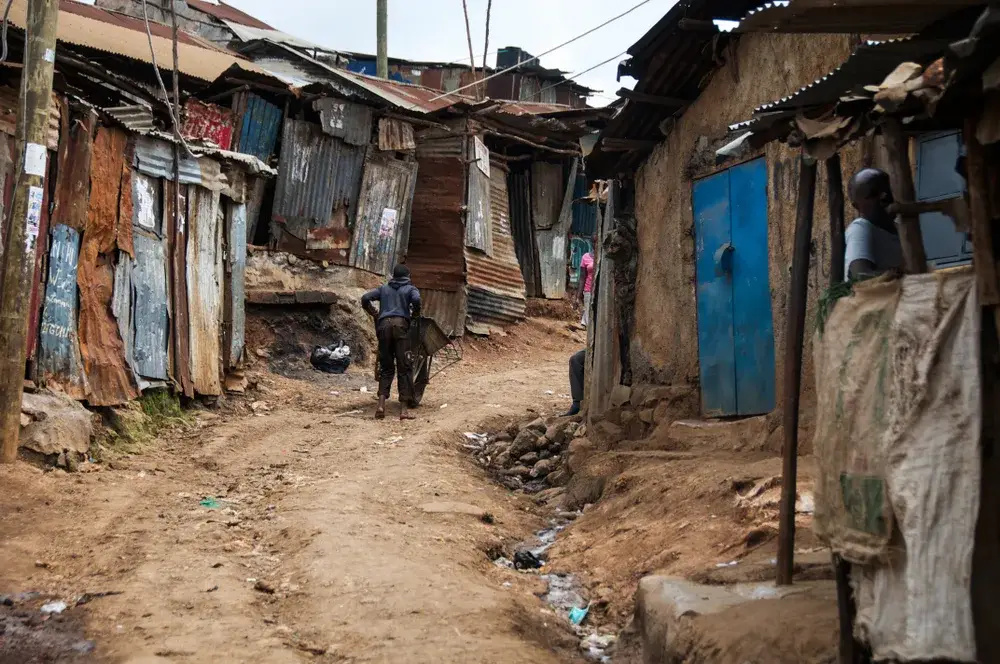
124	299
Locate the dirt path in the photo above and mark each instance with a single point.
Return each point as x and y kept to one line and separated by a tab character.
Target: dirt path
322	547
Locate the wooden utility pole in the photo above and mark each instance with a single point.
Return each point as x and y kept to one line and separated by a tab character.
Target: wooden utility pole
18	267
795	325
382	27
468	35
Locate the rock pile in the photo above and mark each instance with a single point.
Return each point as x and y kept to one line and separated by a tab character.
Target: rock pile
530	456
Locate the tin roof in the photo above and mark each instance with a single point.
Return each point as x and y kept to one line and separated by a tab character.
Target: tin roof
105	31
849	16
224	12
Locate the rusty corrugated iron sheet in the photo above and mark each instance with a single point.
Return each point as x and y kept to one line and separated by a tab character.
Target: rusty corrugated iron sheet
208	122
178	283
41	248
316	196
73	181
522	230
121	309
10	105
156	158
546	193
204	290
60	365
437	234
447	308
136	117
344	119
150	318
101	346
395	135
496	287
478	231
383	219
259	123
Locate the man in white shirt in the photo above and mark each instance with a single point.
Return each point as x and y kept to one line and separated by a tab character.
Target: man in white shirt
872	241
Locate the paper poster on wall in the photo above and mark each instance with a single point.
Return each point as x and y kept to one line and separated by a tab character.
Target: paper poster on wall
388	225
482	156
34	216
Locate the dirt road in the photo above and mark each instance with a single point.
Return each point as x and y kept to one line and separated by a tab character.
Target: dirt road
329	542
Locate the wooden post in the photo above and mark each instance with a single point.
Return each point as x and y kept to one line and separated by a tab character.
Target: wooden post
979	213
382	38
795	322
22	224
835	198
901	175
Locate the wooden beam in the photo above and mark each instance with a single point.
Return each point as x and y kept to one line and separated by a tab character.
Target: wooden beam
835	199
979	211
697	25
625	144
656	100
904	192
795	324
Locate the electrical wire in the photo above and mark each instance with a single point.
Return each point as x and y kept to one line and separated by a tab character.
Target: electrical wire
3	34
171	107
551	50
569	79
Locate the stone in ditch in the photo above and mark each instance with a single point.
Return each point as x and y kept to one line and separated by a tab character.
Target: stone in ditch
556	433
503	437
525	442
571	429
519	471
529	459
646	415
538	426
543	468
557	478
512	430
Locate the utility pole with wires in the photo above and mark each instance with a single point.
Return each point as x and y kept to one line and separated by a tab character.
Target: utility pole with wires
18	267
472	57
486	46
382	28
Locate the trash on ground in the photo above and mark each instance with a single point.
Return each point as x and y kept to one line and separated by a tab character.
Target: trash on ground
577	615
731	563
86	598
211	503
527	560
333	359
54	607
363	389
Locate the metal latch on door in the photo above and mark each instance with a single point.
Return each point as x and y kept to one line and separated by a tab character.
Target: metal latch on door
724	260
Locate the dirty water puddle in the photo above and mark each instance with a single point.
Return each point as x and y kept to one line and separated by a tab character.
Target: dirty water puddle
564	593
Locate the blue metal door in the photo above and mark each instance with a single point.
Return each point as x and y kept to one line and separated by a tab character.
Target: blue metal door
735	328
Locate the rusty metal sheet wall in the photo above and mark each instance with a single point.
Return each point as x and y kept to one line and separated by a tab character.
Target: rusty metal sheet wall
478	233
177	234
10	105
204	289
73	181
546	194
259	125
435	250
59	361
101	345
383	213
237	269
553	244
316	196
150	319
208	122
496	287
156	158
395	135
447	308
522	230
346	120
121	308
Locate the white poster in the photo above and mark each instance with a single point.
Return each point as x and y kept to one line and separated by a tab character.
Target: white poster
388	225
482	156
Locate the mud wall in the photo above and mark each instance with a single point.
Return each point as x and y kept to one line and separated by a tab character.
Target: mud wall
766	67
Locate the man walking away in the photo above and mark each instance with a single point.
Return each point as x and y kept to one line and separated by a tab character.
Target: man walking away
586	284
576	371
398	301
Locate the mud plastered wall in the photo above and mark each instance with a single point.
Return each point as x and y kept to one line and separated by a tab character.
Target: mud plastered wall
765	67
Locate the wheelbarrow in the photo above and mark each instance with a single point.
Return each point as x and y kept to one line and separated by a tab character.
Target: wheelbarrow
427	339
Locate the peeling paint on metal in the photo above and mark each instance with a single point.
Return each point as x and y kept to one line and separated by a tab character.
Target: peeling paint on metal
259	122
123	226
204	290
10	105
150	319
181	329
73	181
121	307
59	363
237	268
478	233
208	122
156	158
383	213
435	252
101	345
346	120
546	194
395	135
316	196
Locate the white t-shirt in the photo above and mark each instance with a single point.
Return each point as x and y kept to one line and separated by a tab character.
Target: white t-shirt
866	241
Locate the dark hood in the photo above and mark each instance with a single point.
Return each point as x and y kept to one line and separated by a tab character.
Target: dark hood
399	283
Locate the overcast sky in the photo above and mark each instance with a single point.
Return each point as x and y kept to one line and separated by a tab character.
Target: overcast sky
435	30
